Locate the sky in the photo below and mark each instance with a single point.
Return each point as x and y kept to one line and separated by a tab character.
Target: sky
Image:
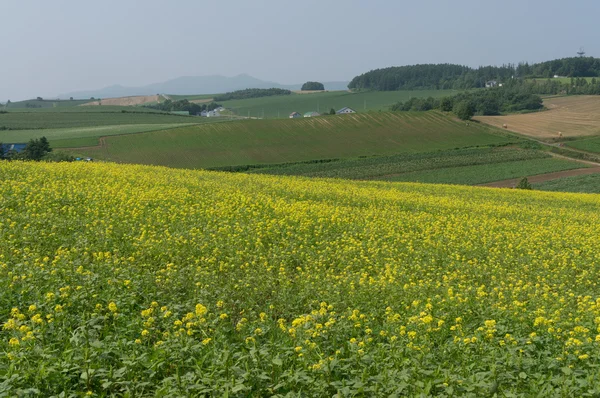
53	47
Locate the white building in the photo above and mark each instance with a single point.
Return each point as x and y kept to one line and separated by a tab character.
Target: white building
214	113
345	110
295	115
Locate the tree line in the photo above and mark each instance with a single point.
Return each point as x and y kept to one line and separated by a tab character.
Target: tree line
459	77
251	93
36	150
183	106
465	105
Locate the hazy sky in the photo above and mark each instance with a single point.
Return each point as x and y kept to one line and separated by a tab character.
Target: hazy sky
58	46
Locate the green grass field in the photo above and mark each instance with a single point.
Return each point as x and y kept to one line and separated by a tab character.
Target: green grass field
86	118
579	184
588	144
483	173
280	141
282	106
80	136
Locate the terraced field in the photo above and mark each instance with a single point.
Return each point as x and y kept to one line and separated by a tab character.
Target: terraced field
279	141
573	116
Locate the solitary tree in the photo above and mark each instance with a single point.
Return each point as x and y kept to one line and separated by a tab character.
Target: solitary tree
71	98
313	86
332	111
39	98
524	184
464	110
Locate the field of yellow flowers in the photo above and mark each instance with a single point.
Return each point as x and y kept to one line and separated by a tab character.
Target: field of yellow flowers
145	281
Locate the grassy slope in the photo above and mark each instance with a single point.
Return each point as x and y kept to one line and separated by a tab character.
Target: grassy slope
278	141
585	183
282	106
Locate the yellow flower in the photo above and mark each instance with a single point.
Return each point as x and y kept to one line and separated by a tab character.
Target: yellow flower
14	341
145	332
206	341
200	310
112	307
223	316
298	349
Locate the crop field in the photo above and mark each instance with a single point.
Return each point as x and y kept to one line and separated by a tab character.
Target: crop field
282	106
492	164
582	184
143	281
61	120
573	116
559	79
45	104
280	141
484	173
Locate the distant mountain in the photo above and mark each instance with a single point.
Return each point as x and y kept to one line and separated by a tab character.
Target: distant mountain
189	85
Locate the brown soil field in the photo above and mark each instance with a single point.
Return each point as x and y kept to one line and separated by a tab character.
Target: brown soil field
543	177
202	101
573	116
125	101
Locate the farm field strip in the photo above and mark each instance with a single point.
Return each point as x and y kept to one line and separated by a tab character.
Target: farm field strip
81	136
580	184
146	281
60	120
573	116
279	141
385	166
485	173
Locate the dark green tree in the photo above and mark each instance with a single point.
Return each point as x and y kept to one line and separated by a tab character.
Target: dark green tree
36	149
464	110
332	111
313	86
524	184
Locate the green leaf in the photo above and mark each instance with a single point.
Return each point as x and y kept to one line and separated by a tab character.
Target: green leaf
277	361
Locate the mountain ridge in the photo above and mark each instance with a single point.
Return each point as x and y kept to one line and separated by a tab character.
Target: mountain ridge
191	85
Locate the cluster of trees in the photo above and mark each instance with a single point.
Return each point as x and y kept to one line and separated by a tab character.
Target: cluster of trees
430	77
567	67
576	86
251	93
458	77
36	149
184	105
482	102
312	86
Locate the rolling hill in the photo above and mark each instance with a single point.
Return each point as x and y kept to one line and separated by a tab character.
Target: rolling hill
278	141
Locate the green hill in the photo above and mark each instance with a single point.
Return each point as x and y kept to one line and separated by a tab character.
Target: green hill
282	105
279	141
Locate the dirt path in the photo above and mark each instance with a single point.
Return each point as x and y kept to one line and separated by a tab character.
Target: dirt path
543	177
